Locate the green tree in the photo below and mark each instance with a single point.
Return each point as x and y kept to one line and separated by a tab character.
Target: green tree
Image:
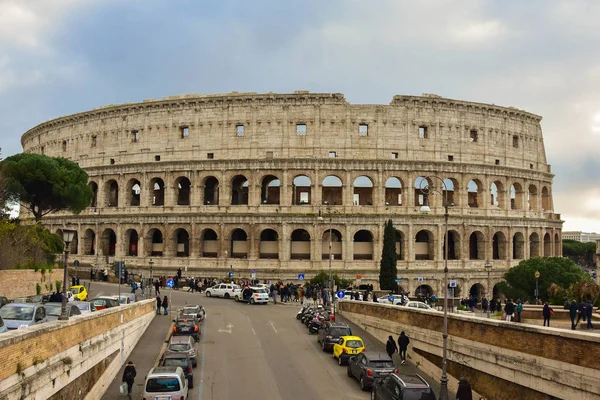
581	253
323	277
387	268
520	279
43	184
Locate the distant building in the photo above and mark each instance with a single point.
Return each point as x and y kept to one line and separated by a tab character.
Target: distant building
580	236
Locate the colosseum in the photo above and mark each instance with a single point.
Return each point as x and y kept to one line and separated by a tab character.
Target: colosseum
289	184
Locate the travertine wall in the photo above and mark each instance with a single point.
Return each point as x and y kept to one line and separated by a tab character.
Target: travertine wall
22	282
216	143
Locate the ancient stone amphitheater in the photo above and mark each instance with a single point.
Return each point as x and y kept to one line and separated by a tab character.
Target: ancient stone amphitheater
287	184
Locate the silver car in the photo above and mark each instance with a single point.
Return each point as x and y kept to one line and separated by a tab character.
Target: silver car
166	383
19	315
85	307
53	310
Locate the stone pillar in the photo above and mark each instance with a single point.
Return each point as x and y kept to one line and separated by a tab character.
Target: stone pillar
349	252
285	197
410	243
252	248
318	236
348	192
141	241
284	243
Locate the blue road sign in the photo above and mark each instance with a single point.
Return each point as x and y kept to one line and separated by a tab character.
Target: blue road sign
399	280
300	277
253	271
391	298
231	274
340	294
170	283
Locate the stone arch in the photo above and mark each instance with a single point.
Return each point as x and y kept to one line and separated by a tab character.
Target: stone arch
400	240
239	243
423	291
518	246
301	190
362	191
239	190
393	191
332	190
210	243
516	196
112	194
534	245
94	187
156	243
557	245
134	190
475	189
300	245
476	246
499	246
183	188
211	191
270	190
532	198
89	242
132	240
109	242
182	242
547	245
497	194
453	245
449	190
477	292
424	245
546	199
269	244
362	244
157	192
336	245
421	195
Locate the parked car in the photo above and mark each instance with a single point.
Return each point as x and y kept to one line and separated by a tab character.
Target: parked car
407	387
198	310
225	290
126	298
22	300
21	315
185	326
330	334
85	307
347	347
255	295
40	298
366	367
79	293
166	383
420	305
184	344
3	327
396	299
53	310
183	360
104	302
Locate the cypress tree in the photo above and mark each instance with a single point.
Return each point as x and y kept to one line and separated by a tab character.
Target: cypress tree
387	268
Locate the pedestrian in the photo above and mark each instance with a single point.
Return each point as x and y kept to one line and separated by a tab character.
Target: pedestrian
580	312
573	313
493	306
128	377
519	309
390	346
273	294
589	310
158	303
301	294
165	304
157	287
484	305
509	309
403	342
375	298
142	286
546	313
464	391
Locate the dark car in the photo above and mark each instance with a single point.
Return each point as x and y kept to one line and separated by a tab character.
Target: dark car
330	333
366	367
407	387
183	360
186	326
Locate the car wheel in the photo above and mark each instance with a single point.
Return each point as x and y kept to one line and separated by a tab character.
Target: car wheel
207	294
226	295
363	386
333	354
237	299
252	301
340	362
349	372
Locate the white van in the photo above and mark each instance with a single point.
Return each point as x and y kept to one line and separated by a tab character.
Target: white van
166	383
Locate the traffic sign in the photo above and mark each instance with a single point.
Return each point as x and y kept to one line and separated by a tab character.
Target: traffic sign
340	294
300	277
452	284
231	274
170	283
391	298
253	271
399	280
420	279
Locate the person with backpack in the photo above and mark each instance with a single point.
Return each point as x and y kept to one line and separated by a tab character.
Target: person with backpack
129	376
403	342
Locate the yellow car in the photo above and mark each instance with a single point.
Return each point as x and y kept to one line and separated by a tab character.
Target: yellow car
346	347
79	293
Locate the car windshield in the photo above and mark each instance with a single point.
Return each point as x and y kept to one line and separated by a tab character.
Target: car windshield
188	310
17	313
381	364
75	290
53	309
260	290
337	332
418	394
162	384
185	323
179	347
175	362
354	344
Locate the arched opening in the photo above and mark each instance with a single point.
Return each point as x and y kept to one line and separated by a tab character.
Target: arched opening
449	189
301	190
300	245
157	187
363	245
131	236
112	194
421	184
400	245
363	191
183	242
89	243
332	190
393	192
423	292
156	242
453	245
547	245
497	194
424	245
134	189
534	245
183	186
532	198
109	242
94	187
211	191
499	246
477	292
546	204
474	189
239	190
557	245
270	190
210	243
518	246
239	244
336	245
476	246
516	196
269	244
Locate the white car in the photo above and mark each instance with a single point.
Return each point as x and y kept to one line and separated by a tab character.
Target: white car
258	295
420	305
166	383
225	290
397	299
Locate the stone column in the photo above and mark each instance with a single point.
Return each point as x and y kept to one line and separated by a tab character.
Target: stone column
349	253
285	197
252	248
410	244
284	243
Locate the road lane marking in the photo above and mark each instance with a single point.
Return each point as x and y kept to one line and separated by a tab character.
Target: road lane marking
253	331
273	326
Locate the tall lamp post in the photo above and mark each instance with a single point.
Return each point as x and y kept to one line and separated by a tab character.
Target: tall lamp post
68	238
488	268
150	262
426	189
330	254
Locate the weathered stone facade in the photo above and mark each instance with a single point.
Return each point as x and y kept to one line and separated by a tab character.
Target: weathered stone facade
256	181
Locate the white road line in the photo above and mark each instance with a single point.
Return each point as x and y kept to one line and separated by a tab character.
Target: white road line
273	326
253	331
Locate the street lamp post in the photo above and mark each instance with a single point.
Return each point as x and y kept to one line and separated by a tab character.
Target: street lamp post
488	268
425	210
68	238
150	262
537	278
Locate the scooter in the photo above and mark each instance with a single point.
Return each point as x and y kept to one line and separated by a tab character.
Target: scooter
302	311
316	323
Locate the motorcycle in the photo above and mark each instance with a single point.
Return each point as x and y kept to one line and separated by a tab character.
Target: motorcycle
302	311
316	323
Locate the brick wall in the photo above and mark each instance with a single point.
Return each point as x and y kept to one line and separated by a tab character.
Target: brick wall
22	282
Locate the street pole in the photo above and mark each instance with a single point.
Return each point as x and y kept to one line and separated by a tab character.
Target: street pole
67	237
150	262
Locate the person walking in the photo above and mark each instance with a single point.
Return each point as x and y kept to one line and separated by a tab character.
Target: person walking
390	346
158	303
165	304
403	342
589	310
129	376
573	313
157	287
519	310
509	309
546	313
580	312
464	391
142	287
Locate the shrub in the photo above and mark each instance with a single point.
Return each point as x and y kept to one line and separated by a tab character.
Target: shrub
38	289
58	285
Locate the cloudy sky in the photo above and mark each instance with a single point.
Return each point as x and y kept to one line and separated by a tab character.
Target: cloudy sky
59	57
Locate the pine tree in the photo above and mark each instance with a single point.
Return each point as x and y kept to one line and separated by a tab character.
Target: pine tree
387	268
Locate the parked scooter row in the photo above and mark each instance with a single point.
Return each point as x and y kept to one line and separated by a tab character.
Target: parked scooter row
313	317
